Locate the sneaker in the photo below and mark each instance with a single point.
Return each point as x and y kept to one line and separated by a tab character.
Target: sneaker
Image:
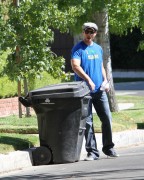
90	158
111	153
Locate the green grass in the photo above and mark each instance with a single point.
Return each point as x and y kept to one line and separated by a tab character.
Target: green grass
12	142
18	133
13	124
132	118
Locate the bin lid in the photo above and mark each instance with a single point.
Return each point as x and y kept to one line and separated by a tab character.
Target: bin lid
62	90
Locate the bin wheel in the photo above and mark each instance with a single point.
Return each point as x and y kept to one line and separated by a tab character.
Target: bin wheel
41	156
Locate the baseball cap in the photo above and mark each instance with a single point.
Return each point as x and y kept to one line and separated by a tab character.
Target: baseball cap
90	25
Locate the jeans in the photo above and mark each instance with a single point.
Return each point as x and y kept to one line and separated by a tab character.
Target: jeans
101	105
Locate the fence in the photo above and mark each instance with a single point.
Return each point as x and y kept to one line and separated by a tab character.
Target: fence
9	106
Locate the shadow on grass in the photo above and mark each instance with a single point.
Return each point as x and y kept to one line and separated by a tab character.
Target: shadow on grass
140	125
17	143
133	109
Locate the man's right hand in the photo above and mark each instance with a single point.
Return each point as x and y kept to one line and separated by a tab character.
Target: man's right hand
91	84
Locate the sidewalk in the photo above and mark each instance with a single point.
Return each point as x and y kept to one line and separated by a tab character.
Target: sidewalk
23	159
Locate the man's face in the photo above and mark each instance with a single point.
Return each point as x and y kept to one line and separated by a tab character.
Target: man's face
89	34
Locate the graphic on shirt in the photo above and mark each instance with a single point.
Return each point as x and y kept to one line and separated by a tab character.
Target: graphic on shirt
92	55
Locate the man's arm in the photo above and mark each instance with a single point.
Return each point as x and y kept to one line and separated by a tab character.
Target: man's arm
75	63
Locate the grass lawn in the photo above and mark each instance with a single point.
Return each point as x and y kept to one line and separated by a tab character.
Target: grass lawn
12	141
18	134
132	118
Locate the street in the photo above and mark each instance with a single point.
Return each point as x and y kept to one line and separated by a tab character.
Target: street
134	86
130	88
129	166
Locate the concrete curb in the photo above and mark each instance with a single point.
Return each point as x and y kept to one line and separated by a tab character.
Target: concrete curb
21	159
128	138
120	139
15	160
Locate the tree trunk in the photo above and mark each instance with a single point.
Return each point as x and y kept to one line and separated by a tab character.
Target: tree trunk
16	4
101	19
25	92
19	82
19	104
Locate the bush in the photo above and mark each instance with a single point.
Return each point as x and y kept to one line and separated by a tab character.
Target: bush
9	88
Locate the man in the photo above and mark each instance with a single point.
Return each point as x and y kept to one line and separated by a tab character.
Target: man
87	63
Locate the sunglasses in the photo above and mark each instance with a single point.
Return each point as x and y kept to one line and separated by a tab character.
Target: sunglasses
89	32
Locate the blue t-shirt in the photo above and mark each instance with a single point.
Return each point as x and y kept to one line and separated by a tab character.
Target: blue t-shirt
91	57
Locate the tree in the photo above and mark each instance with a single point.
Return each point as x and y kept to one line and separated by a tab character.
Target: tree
28	29
30	26
125	14
104	40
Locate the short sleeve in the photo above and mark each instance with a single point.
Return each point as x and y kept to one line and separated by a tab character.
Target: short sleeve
76	53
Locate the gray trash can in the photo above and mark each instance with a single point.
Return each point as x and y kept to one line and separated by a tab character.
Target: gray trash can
61	111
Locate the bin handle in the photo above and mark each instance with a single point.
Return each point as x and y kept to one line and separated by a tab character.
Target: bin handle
87	97
82	128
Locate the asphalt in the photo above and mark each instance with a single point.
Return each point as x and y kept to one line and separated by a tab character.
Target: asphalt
23	159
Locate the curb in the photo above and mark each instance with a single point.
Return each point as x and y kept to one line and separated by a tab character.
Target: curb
128	138
121	139
22	159
15	160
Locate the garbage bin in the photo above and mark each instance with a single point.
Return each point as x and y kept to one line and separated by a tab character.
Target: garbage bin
61	111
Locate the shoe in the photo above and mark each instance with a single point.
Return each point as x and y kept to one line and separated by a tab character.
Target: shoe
111	153
90	158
